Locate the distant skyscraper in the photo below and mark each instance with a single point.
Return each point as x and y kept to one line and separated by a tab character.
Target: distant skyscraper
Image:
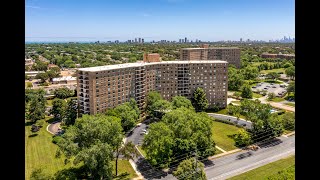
240	39
142	40
185	40
135	40
139	40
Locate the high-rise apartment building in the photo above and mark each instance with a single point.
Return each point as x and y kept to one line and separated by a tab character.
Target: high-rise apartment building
229	54
104	87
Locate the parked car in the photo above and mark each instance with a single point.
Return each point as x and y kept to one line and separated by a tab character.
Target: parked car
274	87
265	88
254	87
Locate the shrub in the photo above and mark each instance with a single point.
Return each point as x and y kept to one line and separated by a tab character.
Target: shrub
56	139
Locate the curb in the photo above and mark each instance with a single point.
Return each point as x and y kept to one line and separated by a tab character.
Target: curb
51	124
225	153
139	151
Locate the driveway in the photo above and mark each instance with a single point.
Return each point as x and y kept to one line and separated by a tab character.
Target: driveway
53	128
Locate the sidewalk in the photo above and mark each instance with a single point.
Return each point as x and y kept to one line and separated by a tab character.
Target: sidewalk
225	153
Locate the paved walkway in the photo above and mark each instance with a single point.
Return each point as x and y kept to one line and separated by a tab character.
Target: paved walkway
221	149
53	128
277	105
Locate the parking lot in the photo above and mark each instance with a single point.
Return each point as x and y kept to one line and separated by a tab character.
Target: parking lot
278	89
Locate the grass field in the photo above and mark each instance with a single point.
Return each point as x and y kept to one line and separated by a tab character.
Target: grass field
272	70
277	99
49	102
266	171
40	152
124	167
225	112
291	104
235	102
220	132
256	95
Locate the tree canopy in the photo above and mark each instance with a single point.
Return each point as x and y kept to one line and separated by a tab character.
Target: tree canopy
180	131
189	169
200	101
92	140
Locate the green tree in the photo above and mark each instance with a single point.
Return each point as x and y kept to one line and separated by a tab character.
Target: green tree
37	105
42	76
71	112
288	120
242	138
158	144
200	101
58	109
246	91
181	101
159	108
290	71
29	85
235	79
97	159
273	75
179	133
127	115
250	72
291	88
128	151
92	140
234	110
152	97
133	104
190	169
63	93
271	96
38	174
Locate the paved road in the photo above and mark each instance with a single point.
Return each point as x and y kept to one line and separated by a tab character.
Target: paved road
277	105
231	119
53	128
231	165
135	137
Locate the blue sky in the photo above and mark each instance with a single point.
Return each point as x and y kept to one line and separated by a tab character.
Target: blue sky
213	20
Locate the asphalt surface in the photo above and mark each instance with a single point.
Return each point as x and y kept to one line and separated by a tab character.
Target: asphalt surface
135	137
53	128
274	88
232	119
237	163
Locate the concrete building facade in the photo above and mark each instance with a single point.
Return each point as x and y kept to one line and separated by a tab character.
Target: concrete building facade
104	87
229	54
280	56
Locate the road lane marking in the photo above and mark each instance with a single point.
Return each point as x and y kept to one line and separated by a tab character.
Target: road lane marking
251	166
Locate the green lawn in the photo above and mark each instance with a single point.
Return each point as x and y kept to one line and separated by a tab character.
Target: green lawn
235	102
268	170
124	167
291	104
49	102
256	95
277	99
225	112
142	151
40	152
220	132
218	151
272	70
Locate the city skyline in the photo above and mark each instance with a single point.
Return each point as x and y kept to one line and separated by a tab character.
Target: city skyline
158	20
